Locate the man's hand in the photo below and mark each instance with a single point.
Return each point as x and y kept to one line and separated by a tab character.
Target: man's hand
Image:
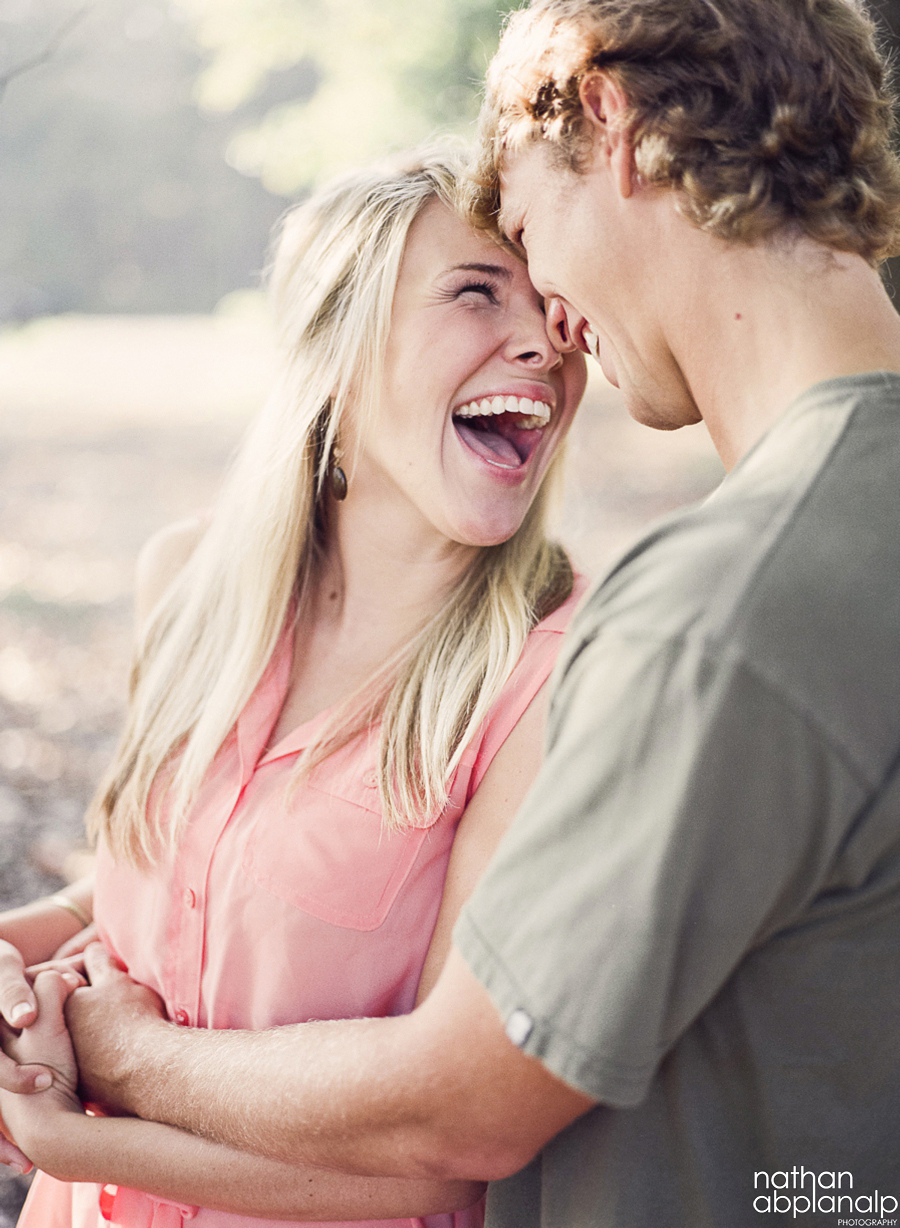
18	1009
108	1020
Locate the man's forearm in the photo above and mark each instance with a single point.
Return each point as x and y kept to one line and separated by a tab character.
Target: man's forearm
338	1095
439	1093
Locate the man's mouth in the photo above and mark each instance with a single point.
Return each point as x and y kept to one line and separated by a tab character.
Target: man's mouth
592	341
592	344
503	430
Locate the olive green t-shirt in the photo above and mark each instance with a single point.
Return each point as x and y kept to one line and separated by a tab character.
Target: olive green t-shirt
695	919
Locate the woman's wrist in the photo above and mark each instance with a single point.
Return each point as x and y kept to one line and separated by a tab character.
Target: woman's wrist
61	900
48	1127
61	1143
40	928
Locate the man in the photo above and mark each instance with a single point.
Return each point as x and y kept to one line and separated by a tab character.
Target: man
674	998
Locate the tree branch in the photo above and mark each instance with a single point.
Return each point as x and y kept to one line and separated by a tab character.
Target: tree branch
42	57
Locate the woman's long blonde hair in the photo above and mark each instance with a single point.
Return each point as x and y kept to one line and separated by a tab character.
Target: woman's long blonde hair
207	642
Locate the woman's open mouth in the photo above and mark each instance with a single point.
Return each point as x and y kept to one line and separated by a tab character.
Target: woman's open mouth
504	431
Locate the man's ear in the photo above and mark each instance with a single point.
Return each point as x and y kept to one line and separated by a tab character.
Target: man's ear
605	107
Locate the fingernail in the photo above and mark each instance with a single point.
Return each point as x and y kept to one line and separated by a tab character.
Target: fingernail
42	1082
19	1012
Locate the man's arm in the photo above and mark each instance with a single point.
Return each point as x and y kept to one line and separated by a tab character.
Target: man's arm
624	899
442	1092
412	1094
63	1141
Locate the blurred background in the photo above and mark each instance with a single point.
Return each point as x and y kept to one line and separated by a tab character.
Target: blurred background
147	147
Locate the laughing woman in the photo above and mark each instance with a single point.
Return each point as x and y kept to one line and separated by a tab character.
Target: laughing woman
337	697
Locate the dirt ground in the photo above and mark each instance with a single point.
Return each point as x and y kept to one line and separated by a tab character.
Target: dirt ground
111	428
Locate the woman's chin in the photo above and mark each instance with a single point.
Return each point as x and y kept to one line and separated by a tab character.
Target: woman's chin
490	530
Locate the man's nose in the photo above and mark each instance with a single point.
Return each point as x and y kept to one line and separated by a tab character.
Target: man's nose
564	326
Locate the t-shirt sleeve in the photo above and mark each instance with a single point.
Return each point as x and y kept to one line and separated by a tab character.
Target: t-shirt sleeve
686	811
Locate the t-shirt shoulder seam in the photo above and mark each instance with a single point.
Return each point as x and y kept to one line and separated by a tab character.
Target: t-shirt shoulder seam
714	652
766	556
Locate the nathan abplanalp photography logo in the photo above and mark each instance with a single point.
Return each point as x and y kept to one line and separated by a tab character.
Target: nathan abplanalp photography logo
799	1191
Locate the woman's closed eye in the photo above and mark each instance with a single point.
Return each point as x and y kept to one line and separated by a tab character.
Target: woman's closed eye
475	290
476	283
480	287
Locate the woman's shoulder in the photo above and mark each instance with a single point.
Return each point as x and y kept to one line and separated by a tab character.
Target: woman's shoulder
524	684
160	560
558	621
535	663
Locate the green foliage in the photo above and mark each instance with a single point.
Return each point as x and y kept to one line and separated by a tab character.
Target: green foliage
377	75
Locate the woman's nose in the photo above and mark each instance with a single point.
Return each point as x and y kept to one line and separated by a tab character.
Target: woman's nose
531	343
563	325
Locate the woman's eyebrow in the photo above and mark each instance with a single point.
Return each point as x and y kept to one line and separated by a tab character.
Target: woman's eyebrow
493	270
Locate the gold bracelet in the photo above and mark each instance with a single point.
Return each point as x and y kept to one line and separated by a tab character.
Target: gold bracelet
63	901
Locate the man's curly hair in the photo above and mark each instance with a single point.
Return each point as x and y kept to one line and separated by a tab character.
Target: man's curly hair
761	114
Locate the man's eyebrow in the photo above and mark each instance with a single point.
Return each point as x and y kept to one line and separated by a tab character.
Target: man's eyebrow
504	223
492	270
504	229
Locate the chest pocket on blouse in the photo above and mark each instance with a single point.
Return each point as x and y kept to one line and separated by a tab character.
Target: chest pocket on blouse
323	848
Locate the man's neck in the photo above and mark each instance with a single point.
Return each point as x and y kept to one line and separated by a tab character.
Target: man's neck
781	318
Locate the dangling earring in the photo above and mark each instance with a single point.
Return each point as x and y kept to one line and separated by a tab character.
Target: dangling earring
337	479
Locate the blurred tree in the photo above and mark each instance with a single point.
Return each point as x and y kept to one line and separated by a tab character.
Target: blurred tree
322	84
142	161
114	192
37	58
141	164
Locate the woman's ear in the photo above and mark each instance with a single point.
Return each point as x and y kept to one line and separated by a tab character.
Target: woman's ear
605	108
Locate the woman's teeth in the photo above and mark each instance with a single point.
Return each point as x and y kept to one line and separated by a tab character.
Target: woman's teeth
532	414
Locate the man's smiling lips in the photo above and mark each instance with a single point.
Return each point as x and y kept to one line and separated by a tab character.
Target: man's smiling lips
586	339
504	429
589	341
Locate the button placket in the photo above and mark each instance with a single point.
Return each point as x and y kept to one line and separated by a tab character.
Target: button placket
194	861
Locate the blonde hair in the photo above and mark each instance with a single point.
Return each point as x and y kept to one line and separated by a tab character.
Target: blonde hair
209	639
761	114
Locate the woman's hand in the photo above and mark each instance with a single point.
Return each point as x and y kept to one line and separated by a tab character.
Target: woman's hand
18	1009
77	944
48	928
33	1120
17	1003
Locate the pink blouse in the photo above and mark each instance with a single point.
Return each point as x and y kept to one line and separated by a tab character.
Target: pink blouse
287	903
